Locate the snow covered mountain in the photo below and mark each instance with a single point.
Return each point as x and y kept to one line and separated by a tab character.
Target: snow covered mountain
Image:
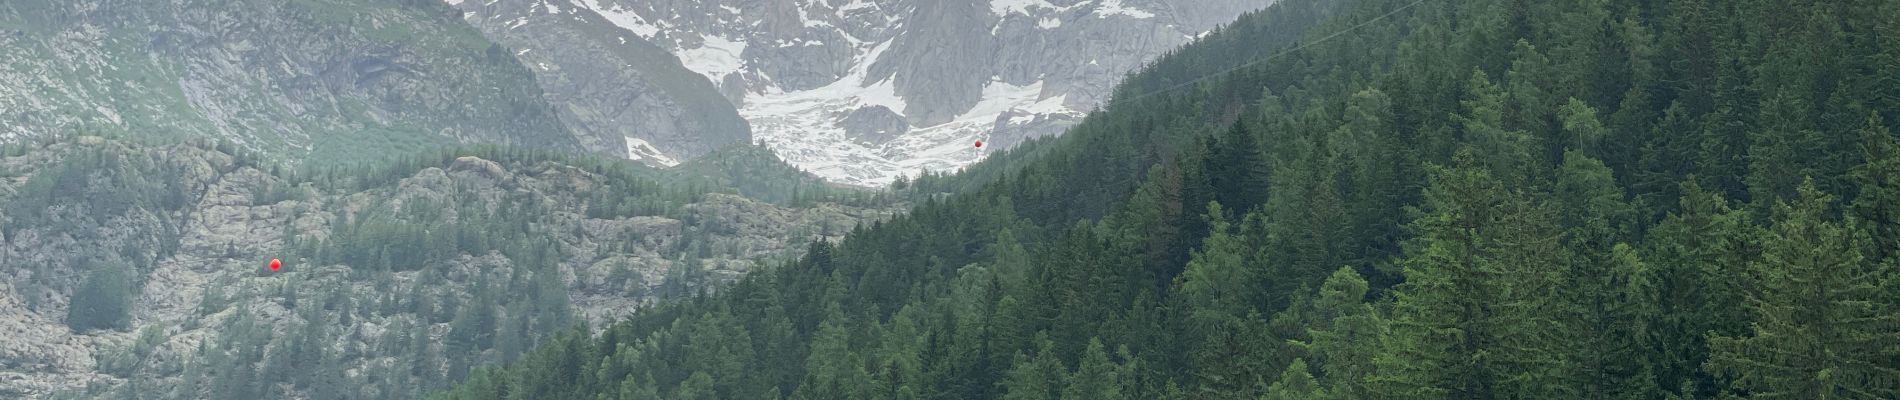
862	91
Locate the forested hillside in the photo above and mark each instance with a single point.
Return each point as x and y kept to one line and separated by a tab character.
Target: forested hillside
1414	199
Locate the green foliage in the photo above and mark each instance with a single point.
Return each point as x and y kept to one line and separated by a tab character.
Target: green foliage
1569	170
757	173
1295	383
1820	329
1347	345
104	301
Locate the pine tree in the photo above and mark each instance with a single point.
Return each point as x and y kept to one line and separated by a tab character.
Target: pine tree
1295	384
1039	378
1237	170
1380	164
1609	290
833	370
1218	288
1698	254
1096	377
1878	204
1471	320
1820	331
1508	154
1220	280
1612	352
721	349
1346	345
697	387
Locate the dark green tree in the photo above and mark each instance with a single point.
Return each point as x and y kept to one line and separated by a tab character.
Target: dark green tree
1820	331
104	300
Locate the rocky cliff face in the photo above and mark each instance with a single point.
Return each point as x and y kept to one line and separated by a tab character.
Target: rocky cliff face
814	77
618	92
383	284
325	80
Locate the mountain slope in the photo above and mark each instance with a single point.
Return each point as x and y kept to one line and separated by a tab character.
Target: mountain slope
397	279
862	92
1419	200
618	92
328	81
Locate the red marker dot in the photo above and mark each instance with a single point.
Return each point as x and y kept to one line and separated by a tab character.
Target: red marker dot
274	264
979	144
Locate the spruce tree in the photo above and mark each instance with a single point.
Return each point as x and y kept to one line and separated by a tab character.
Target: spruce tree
1697	254
1878	204
1346	345
1219	290
1036	378
1237	170
1820	331
1472	319
1295	384
1609	292
1096	377
1508	154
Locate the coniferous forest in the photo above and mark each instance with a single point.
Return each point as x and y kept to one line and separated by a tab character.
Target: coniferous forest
1363	199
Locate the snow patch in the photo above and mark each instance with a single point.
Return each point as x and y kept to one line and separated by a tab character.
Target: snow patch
1109	8
639	150
1003	8
624	18
718	57
802	127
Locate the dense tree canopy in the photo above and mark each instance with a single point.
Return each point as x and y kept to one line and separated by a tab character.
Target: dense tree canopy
1394	199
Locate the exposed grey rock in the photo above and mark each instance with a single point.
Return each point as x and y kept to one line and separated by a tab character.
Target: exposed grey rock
334	80
1015	127
874	124
609	266
932	59
610	84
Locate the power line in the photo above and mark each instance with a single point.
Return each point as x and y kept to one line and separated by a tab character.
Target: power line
1250	64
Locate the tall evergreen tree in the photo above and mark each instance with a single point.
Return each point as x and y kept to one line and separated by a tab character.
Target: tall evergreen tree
1610	292
1096	377
1878	204
1508	154
1237	169
1218	289
1347	343
1820	330
1036	378
1295	384
1469	321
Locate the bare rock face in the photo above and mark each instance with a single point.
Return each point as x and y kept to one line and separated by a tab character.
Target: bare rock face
930	56
342	80
480	168
1015	127
874	124
609	84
